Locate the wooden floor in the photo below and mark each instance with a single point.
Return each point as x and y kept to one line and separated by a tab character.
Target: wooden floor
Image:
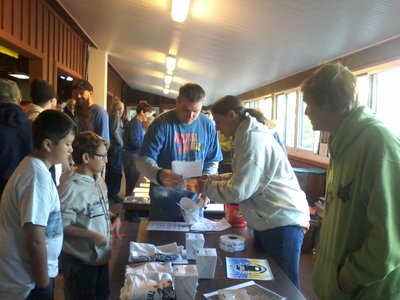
121	253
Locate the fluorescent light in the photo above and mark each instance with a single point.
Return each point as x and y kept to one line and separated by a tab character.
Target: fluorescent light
165	91
168	78
180	9
19	75
69	78
62	77
170	63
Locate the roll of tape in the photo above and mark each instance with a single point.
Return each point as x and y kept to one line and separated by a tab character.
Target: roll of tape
231	242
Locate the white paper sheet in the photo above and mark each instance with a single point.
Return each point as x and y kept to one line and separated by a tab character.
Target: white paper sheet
204	225
187	168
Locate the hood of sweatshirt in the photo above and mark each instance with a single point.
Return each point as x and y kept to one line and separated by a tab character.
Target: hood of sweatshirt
11	115
352	127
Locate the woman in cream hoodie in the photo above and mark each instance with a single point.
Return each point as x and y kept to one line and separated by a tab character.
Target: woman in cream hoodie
262	182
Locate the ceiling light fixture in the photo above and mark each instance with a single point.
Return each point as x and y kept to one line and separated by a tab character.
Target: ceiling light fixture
180	9
165	91
170	62
19	75
69	78
168	78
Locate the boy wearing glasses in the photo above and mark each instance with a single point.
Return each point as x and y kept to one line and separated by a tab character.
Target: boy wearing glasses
86	220
31	231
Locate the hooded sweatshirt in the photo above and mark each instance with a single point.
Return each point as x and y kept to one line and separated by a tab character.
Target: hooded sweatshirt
262	182
33	111
15	137
360	237
84	204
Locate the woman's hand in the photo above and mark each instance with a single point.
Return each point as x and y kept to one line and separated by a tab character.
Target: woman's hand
194	185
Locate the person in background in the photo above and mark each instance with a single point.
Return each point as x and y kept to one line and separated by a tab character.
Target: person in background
90	116
133	138
43	97
226	144
69	108
359	255
31	232
182	134
60	105
15	131
86	220
115	153
262	182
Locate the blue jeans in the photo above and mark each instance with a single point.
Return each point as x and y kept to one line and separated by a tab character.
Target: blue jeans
84	282
283	245
114	171
131	173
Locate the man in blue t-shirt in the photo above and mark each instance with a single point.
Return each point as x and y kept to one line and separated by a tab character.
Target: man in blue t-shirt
182	134
90	116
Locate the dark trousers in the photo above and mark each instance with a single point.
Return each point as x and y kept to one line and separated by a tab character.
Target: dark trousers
283	245
46	293
131	173
114	171
84	282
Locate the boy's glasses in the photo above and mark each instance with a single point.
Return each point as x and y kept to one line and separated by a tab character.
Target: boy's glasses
103	156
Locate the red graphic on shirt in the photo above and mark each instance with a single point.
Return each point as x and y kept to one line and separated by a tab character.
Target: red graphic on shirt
187	142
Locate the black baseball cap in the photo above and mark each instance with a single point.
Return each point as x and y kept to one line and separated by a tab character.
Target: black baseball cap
83	85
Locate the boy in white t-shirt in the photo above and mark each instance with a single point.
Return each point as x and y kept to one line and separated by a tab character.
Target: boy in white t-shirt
31	231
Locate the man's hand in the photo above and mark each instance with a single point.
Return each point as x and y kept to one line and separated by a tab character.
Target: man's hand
344	287
194	185
169	179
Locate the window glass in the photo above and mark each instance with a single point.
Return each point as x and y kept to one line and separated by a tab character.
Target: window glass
265	106
363	89
388	98
308	137
291	119
281	116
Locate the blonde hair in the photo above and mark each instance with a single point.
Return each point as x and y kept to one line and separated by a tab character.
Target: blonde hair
117	106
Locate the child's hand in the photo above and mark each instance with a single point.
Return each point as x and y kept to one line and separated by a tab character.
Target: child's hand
98	239
115	226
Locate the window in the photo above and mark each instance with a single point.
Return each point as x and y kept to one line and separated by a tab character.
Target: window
379	90
387	97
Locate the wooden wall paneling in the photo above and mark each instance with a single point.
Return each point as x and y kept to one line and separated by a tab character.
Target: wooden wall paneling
69	49
39	29
32	23
16	29
25	11
56	40
1	14
7	15
45	35
64	59
52	78
36	68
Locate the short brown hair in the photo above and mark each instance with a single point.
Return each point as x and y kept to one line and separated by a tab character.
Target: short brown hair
192	92
143	106
332	84
86	142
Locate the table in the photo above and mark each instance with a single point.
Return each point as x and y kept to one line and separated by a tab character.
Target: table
281	284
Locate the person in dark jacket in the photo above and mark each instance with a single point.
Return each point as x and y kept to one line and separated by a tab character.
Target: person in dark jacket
15	131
